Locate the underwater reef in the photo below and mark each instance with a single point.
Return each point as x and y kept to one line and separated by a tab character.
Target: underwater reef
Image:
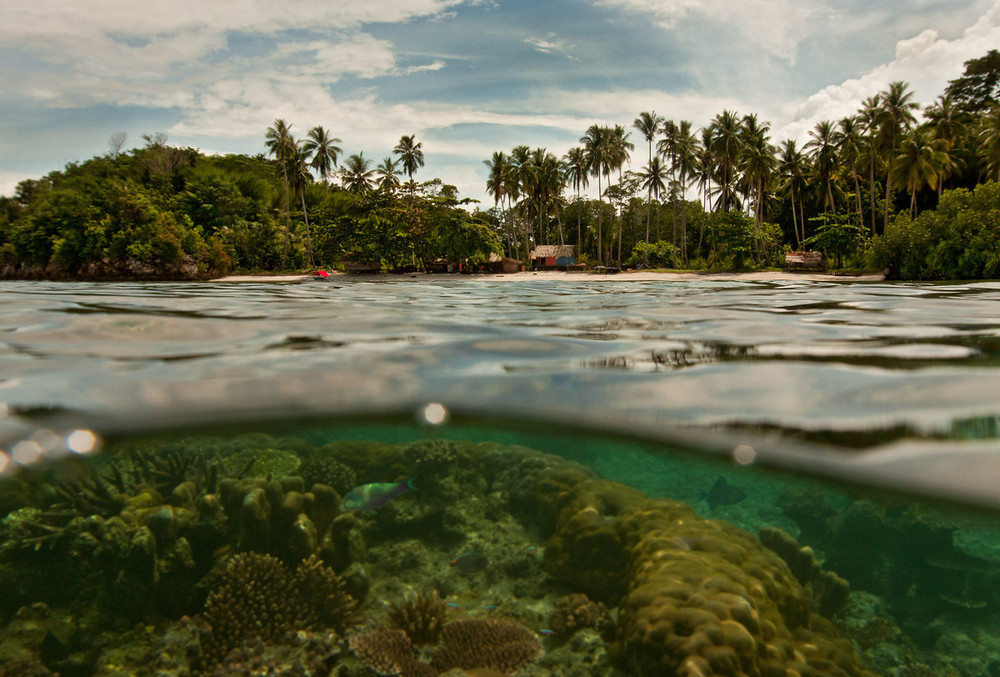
277	555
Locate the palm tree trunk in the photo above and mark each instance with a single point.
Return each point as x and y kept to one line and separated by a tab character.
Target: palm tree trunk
288	220
562	240
579	213
305	217
888	192
871	190
795	222
649	207
600	223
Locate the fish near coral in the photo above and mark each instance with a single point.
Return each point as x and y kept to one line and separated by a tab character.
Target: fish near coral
722	493
471	562
374	495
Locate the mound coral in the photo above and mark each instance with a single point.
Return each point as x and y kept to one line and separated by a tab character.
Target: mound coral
697	597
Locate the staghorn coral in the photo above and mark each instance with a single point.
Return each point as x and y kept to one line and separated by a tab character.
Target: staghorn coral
576	611
491	643
259	600
420	616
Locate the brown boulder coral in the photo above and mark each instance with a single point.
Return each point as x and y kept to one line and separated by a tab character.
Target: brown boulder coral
697	597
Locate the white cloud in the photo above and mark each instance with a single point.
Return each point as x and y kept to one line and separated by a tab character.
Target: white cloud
549	44
100	44
774	26
926	61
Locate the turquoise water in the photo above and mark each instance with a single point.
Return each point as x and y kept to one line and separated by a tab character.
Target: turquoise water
859	419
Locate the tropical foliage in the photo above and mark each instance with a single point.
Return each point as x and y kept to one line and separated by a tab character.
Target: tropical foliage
166	212
838	192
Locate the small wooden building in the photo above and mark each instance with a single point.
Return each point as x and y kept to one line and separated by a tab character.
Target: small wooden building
553	256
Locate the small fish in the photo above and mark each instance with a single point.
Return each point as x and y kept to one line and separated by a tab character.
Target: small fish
546	632
452	605
491	607
722	493
374	495
530	549
471	562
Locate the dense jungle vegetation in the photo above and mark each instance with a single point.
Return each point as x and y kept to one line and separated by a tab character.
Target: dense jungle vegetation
877	189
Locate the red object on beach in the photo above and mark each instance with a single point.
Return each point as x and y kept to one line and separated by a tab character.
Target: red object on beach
321	273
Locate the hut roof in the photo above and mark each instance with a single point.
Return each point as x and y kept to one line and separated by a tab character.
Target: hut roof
543	251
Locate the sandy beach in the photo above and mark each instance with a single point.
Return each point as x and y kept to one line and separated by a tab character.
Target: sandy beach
628	276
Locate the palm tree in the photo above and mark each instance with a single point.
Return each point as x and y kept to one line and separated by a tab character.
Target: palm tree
759	163
989	141
521	178
705	170
949	125
576	174
388	176
410	155
497	183
726	148
850	147
919	162
648	125
686	159
793	168
597	145
280	144
357	173
324	152
654	177
869	114
299	177
895	119
822	142
620	147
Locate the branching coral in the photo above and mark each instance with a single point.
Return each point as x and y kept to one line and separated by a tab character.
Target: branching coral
260	600
420	616
388	651
493	643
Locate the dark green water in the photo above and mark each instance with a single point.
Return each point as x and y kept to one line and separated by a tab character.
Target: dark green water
814	463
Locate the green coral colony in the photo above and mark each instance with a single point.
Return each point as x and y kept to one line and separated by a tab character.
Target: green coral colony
237	556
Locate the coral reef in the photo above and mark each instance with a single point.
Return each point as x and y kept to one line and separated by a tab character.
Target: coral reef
497	645
388	651
829	590
260	600
420	616
697	596
577	611
492	643
190	555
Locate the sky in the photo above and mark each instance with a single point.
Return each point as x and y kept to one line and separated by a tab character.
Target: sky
466	77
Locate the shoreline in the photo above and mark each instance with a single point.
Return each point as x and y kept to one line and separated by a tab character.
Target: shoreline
548	275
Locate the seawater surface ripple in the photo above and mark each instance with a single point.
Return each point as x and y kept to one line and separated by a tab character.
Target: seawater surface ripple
849	363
